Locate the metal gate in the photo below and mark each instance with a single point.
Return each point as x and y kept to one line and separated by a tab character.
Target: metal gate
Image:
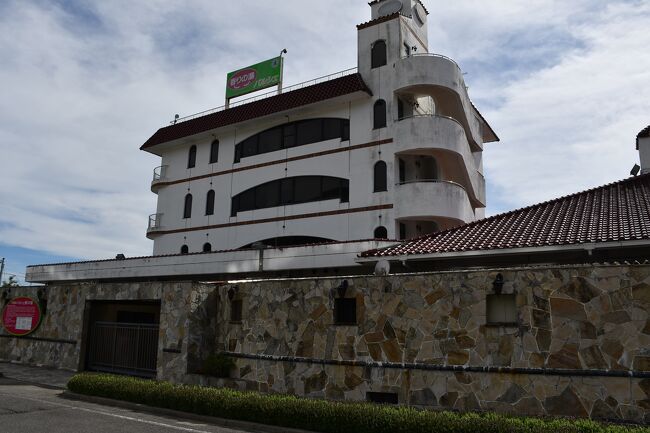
123	348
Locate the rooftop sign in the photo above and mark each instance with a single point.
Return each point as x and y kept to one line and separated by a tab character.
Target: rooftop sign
254	78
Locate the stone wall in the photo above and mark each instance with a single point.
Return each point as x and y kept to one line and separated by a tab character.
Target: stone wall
59	339
581	345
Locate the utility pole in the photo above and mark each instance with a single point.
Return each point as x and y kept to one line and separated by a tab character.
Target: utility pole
2	268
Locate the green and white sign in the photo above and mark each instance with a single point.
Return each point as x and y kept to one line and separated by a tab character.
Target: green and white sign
253	78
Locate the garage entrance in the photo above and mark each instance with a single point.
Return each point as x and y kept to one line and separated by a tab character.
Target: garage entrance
123	337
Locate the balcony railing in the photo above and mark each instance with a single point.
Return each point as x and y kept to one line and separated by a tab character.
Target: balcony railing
159	173
406	182
154	222
269	94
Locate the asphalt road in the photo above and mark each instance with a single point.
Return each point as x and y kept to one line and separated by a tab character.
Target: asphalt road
26	408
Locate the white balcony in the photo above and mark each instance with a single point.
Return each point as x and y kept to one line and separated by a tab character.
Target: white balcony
155	224
440	77
442	136
159	177
432	199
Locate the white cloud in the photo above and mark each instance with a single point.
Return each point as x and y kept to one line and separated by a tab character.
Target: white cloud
563	83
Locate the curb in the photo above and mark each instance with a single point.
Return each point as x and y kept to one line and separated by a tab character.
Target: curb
221	422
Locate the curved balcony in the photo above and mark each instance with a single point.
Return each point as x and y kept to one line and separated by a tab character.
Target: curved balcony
440	77
155	224
427	199
159	177
431	134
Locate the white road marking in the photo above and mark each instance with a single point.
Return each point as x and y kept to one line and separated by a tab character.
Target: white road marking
128	418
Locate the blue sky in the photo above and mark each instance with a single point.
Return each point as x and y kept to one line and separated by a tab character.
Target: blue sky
84	84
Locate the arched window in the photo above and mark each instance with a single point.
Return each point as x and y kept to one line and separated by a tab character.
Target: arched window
209	203
207	247
380	177
379	114
191	157
214	152
378	54
187	209
185	249
381	233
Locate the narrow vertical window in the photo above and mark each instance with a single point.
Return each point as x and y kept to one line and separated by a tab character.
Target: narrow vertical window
402	231
379	114
380	177
214	152
207	247
400	109
209	203
381	233
191	157
187	209
378	54
185	249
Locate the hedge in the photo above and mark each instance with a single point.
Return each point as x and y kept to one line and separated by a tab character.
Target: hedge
321	415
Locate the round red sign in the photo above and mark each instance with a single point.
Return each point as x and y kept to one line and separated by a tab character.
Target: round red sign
242	78
21	316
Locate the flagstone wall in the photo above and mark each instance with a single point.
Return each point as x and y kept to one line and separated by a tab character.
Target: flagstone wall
580	345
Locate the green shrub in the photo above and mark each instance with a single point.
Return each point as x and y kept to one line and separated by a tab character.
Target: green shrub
321	415
218	365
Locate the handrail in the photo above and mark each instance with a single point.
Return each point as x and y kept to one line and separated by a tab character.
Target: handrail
451	182
430	115
291	88
159	173
154	222
442	56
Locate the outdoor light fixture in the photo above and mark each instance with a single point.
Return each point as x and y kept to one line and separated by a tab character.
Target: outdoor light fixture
497	284
6	293
635	170
342	288
120	257
414	48
42	300
232	292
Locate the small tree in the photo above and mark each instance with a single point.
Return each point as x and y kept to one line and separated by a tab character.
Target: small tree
11	282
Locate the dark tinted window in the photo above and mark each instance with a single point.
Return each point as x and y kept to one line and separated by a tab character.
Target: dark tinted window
293	134
267	195
209	203
378	54
381	233
309	131
400	109
207	247
185	249
191	157
379	114
214	152
270	140
402	231
187	209
345	311
402	171
307	189
135	317
380	177
300	189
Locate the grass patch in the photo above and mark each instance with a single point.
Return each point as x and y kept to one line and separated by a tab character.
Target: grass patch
321	415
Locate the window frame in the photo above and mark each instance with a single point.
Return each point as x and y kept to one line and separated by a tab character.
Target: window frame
236	314
191	157
209	202
185	249
343	306
187	206
214	152
207	247
378	236
379	114
380	177
378	59
511	298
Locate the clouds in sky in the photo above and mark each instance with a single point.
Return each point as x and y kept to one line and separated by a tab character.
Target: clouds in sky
84	84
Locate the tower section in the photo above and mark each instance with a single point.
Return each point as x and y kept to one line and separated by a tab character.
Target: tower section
435	159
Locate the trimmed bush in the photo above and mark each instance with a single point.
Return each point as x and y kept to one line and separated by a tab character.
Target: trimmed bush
321	415
218	365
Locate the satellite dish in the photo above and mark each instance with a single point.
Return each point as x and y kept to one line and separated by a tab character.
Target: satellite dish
420	14
382	268
390	8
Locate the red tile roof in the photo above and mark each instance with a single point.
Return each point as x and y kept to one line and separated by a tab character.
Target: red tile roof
378	21
645	132
275	104
616	212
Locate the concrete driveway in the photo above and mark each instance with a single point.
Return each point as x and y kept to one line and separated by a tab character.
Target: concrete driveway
28	408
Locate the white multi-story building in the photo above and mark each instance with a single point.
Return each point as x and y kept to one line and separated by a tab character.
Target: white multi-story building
391	149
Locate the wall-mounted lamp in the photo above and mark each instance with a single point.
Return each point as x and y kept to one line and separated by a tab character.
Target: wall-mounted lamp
42	300
497	284
232	292
6	294
414	48
342	288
